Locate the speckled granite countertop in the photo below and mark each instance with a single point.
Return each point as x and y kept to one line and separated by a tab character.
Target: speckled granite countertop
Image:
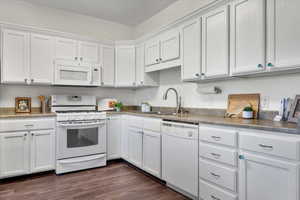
266	125
10	113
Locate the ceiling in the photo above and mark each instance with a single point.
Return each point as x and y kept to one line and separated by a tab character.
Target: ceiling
128	12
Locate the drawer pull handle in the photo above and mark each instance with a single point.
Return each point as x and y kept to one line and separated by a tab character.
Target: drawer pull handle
28	125
215	175
214	197
215	155
216	138
266	146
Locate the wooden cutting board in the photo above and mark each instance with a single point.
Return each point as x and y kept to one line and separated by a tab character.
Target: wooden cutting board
237	102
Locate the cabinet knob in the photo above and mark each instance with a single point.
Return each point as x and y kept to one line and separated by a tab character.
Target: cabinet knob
202	74
197	74
142	82
76	58
32	134
156	60
32	80
270	64
160	59
25	80
260	66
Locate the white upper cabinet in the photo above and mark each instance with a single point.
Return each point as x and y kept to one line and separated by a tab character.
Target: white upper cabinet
267	178
152	53
42	150
41	59
73	50
283	34
89	52
163	51
215	43
143	78
191	50
247	36
15	60
169	47
66	49
125	66
108	65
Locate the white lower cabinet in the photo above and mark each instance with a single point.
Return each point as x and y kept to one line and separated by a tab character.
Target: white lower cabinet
42	150
14	154
114	130
261	177
124	138
152	153
26	146
135	146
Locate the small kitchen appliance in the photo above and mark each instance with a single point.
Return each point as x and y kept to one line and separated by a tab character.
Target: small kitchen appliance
106	104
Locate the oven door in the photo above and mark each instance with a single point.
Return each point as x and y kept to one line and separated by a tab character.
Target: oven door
70	74
74	140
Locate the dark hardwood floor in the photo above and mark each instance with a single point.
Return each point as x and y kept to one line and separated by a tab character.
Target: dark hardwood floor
117	181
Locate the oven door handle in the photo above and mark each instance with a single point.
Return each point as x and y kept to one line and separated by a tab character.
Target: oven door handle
82	125
77	160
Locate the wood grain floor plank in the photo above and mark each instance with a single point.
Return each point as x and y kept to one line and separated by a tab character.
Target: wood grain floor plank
117	181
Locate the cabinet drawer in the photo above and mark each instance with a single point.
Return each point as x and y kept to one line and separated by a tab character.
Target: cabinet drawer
218	174
211	192
287	147
224	155
134	121
152	124
218	136
27	124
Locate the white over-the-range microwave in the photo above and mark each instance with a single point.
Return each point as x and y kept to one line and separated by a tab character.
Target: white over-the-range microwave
74	73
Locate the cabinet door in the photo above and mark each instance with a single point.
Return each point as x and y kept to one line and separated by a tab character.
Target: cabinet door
265	178
42	150
88	52
41	59
125	66
169	46
248	36
14	154
140	64
283	34
135	146
215	40
124	138
114	133
15	61
108	65
191	50
66	49
152	53
152	153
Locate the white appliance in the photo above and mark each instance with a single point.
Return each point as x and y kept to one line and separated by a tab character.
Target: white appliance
81	133
106	104
180	157
71	73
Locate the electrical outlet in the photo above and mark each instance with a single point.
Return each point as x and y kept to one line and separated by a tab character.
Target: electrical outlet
265	102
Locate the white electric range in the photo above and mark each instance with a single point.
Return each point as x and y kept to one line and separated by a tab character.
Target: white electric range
81	133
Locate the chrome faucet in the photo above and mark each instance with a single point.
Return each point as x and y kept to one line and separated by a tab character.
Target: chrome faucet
178	99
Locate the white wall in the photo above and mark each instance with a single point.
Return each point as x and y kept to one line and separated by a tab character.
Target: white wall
274	88
18	12
9	92
170	14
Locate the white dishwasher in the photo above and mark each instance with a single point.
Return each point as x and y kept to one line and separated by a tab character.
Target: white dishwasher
180	157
